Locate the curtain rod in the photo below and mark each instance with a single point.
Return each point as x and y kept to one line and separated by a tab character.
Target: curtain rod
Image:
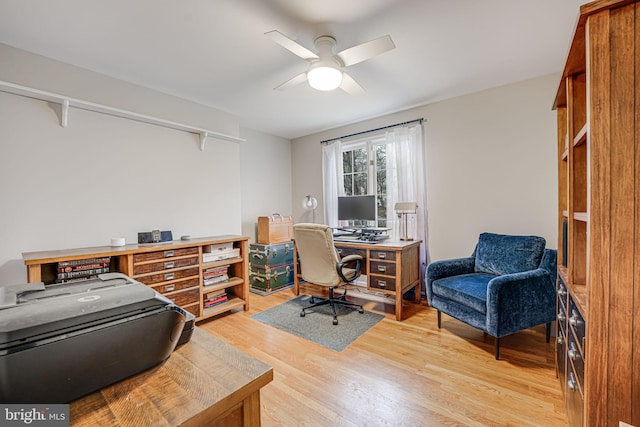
420	120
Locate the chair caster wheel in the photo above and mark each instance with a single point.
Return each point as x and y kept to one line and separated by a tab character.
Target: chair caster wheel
335	321
361	310
302	313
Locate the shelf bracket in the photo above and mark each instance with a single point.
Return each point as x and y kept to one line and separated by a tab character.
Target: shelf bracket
203	139
64	114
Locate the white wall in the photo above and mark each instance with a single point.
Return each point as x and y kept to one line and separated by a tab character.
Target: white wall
266	178
104	176
491	165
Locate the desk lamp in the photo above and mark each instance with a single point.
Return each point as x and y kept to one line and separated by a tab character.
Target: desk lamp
403	210
310	202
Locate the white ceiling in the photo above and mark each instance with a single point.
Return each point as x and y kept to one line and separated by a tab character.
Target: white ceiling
215	52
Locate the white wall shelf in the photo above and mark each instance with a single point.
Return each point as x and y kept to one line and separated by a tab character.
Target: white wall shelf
65	102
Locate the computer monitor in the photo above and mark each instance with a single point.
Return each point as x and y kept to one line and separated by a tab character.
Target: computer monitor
358	208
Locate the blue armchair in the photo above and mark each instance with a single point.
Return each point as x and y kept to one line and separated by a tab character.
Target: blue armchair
507	285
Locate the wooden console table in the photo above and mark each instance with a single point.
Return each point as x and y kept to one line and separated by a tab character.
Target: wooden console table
205	382
392	267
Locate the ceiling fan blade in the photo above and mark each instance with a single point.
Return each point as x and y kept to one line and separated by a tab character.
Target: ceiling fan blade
367	50
290	45
302	77
350	86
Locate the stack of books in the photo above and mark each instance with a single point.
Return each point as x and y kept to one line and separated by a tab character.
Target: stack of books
82	269
215	298
214	275
222	251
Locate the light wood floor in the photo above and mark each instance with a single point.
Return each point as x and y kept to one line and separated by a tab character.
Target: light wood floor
406	373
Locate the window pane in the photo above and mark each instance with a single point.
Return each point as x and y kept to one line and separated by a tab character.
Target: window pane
360	184
347	161
381	176
360	160
382	207
348	185
381	156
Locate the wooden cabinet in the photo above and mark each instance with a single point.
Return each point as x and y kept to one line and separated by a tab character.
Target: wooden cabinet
174	269
598	104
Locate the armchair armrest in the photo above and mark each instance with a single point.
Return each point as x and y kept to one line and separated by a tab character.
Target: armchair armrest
353	273
447	268
518	301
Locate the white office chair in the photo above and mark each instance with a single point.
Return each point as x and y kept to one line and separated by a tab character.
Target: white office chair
321	265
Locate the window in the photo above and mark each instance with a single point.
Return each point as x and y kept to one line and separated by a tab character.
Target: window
364	171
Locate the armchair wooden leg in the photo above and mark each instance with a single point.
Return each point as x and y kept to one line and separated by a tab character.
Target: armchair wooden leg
497	348
548	331
439	319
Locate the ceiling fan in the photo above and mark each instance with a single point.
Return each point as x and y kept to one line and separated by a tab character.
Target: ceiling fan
326	69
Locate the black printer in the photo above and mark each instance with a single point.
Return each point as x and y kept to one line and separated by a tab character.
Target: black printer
61	342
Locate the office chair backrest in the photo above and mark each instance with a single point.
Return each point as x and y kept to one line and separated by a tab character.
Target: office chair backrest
318	257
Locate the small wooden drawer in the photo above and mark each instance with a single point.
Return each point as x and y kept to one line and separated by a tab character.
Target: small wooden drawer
562	291
385	255
561	316
186	297
385	283
168	277
164	265
176	286
575	356
386	268
168	253
576	322
574	399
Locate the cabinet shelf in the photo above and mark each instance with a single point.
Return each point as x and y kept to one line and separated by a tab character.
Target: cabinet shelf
581	136
220	263
581	216
221	308
234	281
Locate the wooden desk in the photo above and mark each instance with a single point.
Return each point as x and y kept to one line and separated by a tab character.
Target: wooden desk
392	267
205	382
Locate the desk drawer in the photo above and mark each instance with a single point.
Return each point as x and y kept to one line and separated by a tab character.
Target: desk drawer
166	264
167	277
383	283
386	268
383	255
169	253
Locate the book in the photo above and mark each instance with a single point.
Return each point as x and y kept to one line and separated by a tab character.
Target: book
82	267
83	261
83	273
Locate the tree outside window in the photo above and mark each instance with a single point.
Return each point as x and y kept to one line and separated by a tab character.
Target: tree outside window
364	165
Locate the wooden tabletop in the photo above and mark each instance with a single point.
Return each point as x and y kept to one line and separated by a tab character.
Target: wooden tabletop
204	382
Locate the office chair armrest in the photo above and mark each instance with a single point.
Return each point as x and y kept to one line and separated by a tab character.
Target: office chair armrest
349	258
355	273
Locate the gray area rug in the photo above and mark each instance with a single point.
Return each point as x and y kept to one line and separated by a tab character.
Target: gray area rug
317	325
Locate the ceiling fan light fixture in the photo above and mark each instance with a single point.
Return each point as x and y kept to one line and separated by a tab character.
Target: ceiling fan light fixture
324	78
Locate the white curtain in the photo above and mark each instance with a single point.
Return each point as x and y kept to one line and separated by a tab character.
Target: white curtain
332	179
407	179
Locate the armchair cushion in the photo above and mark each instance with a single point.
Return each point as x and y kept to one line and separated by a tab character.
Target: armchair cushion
500	254
469	290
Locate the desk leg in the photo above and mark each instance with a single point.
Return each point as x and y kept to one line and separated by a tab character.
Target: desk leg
399	305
